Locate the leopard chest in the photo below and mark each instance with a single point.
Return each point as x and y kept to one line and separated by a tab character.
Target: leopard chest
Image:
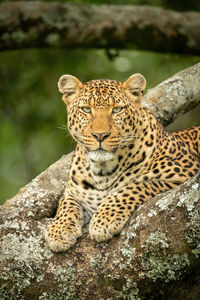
92	184
90	196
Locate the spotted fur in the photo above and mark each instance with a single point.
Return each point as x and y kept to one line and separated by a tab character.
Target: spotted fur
124	157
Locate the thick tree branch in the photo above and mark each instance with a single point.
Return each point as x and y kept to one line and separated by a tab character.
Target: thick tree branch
67	25
174	96
154	254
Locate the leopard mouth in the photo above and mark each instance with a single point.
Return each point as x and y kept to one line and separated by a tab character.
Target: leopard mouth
100	155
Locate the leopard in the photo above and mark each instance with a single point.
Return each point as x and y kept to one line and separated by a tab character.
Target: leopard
124	157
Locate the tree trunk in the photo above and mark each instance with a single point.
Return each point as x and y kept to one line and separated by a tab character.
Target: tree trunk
156	256
67	25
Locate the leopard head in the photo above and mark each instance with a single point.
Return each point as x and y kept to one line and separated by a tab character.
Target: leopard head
103	115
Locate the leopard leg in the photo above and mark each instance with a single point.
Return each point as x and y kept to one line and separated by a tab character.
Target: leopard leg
115	210
66	227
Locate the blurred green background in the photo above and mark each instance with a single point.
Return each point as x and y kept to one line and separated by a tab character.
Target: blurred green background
33	117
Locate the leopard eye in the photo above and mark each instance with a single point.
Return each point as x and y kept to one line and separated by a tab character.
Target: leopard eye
86	109
116	109
135	93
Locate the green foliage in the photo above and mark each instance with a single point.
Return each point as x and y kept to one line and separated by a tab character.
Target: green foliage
32	112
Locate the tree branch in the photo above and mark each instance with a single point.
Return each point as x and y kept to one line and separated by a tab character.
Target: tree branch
154	254
174	96
67	25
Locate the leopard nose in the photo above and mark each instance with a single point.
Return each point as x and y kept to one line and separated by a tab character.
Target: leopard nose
100	137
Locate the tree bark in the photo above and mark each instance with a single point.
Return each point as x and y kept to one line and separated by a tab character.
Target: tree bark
67	25
156	256
174	96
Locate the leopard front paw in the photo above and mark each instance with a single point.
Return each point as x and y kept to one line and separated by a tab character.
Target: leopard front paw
103	231
102	228
60	237
100	234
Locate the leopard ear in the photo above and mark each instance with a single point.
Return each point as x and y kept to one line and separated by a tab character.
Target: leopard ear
135	85
69	86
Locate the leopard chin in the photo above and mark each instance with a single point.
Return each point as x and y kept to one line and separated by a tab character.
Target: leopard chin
100	155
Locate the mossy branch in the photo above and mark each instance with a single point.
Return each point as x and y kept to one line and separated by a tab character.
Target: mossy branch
68	25
157	253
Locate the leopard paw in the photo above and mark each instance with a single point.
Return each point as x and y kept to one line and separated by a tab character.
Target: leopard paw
99	234
102	229
61	237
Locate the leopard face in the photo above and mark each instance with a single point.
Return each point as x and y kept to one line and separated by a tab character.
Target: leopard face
99	113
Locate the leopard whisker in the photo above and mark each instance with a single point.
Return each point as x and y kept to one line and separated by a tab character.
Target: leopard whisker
63	127
129	138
